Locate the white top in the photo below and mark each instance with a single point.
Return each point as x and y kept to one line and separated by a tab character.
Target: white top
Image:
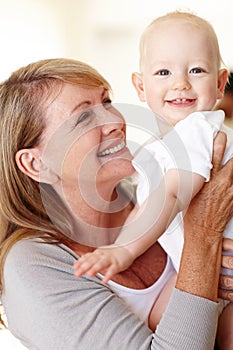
140	301
188	146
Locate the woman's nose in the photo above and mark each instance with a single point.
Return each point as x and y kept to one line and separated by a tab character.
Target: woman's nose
111	120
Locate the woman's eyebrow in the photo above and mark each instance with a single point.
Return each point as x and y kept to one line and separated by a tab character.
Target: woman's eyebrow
80	105
86	103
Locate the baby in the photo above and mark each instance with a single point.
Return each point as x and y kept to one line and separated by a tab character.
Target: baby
181	80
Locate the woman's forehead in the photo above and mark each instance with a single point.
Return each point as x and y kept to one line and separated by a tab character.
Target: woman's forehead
66	101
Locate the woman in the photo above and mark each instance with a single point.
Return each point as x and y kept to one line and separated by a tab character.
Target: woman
63	153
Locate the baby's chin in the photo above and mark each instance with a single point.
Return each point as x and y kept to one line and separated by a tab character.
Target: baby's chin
177	117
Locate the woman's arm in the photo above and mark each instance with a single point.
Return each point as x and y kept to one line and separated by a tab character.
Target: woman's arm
52	309
201	258
204	224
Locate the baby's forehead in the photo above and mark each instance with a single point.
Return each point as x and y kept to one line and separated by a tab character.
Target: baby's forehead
166	26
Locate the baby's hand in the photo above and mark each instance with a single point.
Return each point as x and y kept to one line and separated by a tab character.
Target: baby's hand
108	259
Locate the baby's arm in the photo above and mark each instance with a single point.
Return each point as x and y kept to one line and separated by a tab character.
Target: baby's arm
148	222
108	260
144	225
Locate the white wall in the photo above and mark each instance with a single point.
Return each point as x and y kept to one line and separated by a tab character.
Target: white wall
112	29
104	33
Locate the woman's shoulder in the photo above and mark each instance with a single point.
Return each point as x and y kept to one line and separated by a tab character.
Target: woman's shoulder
39	267
30	255
39	283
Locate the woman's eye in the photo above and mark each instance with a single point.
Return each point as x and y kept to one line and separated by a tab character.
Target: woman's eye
196	70
83	117
107	103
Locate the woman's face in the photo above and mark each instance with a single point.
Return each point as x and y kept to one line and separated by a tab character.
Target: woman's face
84	140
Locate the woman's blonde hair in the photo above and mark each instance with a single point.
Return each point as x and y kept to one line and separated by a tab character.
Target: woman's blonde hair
22	105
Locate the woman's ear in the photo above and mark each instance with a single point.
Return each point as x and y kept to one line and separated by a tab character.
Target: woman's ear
138	84
222	80
30	163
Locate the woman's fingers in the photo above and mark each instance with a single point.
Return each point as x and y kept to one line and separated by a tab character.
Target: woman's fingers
226	282
226	277
218	150
225	294
227	261
227	245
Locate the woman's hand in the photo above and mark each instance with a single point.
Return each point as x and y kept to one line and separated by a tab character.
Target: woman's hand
226	276
204	223
212	207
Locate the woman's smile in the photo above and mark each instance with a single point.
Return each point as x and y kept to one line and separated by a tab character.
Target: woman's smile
112	150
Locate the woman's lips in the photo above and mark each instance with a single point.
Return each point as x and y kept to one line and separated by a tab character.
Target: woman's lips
112	150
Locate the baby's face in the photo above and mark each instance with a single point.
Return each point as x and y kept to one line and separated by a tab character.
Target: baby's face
180	70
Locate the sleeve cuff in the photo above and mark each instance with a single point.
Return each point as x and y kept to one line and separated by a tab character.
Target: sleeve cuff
190	322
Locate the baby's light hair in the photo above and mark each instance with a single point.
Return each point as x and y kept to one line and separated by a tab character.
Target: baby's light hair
186	17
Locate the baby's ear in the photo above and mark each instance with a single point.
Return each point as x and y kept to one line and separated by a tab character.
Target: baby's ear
30	163
137	81
222	80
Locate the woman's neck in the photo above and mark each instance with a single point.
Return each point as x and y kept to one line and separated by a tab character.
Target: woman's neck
97	223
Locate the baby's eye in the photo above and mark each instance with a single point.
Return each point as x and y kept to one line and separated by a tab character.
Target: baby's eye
163	72
196	70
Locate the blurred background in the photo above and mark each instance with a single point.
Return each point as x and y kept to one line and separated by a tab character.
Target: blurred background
103	33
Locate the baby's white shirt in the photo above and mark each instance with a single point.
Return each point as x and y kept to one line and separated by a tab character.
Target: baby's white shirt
188	146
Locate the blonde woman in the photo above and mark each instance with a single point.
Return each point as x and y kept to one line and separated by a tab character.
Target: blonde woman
62	154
